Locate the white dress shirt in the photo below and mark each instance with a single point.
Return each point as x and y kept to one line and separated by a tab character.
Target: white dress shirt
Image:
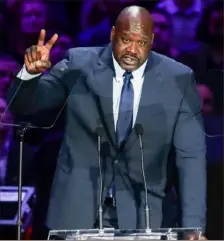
137	82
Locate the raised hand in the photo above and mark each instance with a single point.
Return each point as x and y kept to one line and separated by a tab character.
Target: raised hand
37	57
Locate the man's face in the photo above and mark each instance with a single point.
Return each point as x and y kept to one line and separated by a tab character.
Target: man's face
131	42
162	31
63	43
33	17
7	69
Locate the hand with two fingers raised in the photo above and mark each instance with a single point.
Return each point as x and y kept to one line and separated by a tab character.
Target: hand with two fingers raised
37	57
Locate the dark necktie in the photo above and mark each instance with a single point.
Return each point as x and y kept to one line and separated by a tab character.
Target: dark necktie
125	116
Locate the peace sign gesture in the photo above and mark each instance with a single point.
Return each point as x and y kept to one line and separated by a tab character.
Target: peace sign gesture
37	57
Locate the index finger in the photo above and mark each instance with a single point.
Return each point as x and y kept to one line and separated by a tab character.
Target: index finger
41	38
52	41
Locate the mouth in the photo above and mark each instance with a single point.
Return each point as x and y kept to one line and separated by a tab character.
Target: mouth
129	60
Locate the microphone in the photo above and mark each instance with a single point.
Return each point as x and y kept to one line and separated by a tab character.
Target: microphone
100	131
139	132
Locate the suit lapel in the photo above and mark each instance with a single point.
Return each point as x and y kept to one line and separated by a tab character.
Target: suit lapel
103	75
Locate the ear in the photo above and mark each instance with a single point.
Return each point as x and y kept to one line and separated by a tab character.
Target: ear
112	33
153	35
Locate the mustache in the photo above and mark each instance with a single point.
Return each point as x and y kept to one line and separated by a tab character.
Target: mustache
130	56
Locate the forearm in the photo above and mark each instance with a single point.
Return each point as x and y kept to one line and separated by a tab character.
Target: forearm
189	142
192	179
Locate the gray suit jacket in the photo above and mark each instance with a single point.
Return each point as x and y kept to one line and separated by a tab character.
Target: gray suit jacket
170	114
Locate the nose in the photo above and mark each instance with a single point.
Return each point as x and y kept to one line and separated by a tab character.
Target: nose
132	48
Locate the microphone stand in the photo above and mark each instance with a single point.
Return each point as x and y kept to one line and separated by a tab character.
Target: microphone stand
22	129
99	132
147	216
101	231
139	133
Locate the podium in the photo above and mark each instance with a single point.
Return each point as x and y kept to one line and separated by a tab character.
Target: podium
119	234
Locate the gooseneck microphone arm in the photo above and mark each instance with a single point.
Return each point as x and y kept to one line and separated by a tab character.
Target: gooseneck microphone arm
99	132
139	132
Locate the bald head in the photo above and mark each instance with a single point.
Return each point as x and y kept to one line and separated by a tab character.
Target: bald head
135	15
132	37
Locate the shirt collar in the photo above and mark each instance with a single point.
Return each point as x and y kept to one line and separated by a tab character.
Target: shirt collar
171	7
119	71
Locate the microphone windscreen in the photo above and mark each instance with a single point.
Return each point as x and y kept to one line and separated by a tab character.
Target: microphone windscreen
139	129
99	131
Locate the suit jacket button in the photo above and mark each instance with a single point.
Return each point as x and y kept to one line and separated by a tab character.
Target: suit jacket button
116	161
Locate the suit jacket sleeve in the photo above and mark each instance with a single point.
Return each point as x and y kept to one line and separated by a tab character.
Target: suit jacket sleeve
189	142
47	91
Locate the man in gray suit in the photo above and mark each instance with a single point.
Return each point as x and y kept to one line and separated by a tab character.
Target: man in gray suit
118	86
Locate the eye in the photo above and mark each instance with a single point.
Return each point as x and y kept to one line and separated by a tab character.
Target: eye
126	40
142	43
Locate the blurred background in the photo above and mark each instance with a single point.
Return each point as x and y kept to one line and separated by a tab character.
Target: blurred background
190	31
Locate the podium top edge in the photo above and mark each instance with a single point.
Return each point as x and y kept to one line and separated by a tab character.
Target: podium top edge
128	230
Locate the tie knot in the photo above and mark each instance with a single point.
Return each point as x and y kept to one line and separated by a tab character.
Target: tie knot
127	76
